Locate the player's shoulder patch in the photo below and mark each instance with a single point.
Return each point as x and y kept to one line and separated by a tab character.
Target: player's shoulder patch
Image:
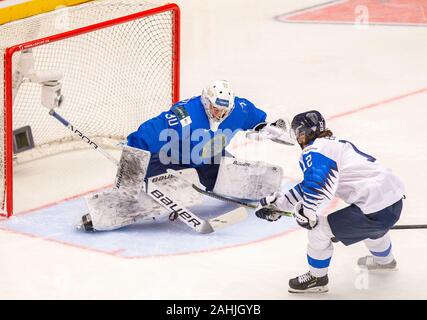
182	115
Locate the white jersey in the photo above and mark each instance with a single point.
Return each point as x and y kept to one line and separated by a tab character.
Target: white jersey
335	167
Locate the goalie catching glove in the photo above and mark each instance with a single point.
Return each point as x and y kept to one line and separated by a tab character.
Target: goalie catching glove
278	131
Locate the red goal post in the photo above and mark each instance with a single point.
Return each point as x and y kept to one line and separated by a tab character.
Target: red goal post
120	61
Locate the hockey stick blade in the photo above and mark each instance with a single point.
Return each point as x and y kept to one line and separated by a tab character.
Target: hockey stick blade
228	218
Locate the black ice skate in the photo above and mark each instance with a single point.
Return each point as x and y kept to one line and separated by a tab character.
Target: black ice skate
85	223
308	283
369	263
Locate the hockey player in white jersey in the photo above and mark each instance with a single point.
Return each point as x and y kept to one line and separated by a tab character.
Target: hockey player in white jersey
334	167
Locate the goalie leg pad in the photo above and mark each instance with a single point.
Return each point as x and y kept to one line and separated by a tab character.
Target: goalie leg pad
245	179
114	209
166	189
117	208
180	189
131	170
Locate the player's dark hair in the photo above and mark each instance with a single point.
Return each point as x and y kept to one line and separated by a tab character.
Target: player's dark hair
325	134
313	135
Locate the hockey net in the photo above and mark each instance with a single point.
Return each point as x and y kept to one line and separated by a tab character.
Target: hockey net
120	66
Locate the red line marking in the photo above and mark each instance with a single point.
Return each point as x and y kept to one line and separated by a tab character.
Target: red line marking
51	204
377	104
111	253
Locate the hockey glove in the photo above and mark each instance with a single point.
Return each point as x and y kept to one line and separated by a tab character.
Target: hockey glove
267	209
306	220
278	131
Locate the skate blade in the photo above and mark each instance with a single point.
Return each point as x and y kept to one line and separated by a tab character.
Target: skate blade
80	227
379	269
321	289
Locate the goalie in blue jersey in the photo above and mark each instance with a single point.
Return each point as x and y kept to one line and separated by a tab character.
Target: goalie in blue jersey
195	132
188	142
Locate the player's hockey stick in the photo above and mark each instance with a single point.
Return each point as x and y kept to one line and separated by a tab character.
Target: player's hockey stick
208	226
398	227
410	226
222	198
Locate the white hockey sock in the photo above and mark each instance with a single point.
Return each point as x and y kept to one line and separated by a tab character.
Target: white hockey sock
320	248
381	249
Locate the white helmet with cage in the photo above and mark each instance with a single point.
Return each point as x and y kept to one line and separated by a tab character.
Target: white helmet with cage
218	101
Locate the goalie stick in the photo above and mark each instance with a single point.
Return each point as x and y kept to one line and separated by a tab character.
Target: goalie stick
225	199
84	138
185	215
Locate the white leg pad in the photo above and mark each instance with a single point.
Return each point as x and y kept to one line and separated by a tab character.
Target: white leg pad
117	208
245	179
131	170
114	209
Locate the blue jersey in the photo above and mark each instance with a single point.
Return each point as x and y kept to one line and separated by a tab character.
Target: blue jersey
183	132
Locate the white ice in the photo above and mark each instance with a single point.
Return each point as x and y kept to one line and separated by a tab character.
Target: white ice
285	69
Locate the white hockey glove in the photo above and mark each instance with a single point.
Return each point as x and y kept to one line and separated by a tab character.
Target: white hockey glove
307	220
279	132
267	208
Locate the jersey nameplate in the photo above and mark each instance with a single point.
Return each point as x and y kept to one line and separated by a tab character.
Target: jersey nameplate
183	116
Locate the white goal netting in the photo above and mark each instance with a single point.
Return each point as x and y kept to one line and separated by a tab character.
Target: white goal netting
114	76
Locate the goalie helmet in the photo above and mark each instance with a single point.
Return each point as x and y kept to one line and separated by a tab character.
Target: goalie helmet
310	123
218	101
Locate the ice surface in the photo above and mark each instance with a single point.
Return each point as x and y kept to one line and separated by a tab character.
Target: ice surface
285	69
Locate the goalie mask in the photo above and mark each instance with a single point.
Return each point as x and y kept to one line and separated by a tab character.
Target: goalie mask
218	101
